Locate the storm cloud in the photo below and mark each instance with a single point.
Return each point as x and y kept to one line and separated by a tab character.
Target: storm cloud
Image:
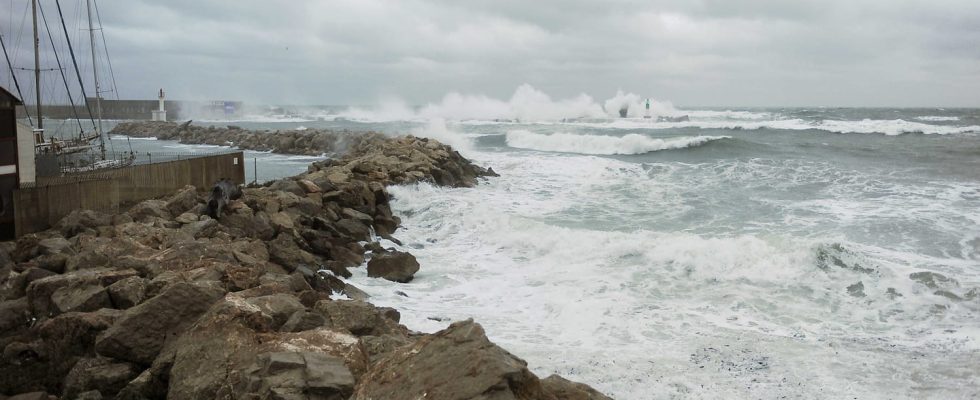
708	52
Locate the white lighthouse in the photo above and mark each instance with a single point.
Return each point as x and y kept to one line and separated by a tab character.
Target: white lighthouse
160	114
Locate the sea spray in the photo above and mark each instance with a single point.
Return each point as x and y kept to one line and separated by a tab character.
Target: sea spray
437	129
526	104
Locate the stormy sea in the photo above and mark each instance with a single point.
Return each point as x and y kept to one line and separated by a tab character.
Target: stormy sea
699	253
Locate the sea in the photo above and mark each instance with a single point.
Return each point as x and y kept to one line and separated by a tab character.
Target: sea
723	253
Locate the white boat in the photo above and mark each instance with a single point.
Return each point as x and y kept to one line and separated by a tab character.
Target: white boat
66	149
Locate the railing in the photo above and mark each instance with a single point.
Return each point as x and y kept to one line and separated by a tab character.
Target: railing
42	204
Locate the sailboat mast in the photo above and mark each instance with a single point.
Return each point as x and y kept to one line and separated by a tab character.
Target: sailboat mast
37	67
95	73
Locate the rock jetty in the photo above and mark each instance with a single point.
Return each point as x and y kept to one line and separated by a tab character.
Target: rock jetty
311	142
161	301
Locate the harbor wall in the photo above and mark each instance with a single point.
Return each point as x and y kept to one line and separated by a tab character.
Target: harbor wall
41	205
139	109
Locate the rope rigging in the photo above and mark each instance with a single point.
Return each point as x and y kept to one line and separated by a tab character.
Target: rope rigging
64	78
14	77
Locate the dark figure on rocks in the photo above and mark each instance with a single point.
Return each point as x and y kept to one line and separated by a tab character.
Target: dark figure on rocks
224	191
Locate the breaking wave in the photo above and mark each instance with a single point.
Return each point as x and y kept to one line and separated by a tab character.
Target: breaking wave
887	127
600	144
526	104
937	118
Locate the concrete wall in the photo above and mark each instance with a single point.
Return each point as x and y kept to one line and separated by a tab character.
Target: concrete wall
40	207
138	110
25	154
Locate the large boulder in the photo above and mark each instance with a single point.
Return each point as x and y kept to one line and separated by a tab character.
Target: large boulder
284	251
141	332
297	375
14	314
81	298
76	291
358	317
150	208
218	356
57	344
185	200
127	292
454	364
288	185
100	374
79	221
394	266
54	245
279	306
564	389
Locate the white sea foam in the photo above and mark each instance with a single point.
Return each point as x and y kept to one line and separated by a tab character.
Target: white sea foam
257	118
526	104
937	118
124	137
438	129
887	127
600	144
647	311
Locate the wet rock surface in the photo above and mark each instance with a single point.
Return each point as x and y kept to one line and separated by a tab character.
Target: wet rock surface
160	301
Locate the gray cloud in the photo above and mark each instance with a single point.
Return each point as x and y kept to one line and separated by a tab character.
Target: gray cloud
708	52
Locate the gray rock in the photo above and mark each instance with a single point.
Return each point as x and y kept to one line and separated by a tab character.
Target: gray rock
284	251
89	395
40	292
354	229
32	396
143	330
456	363
184	200
933	280
101	374
86	259
288	185
53	262
358	317
298	375
394	266
150	208
279	306
565	389
357	215
79	221
127	292
55	245
303	321
81	298
14	314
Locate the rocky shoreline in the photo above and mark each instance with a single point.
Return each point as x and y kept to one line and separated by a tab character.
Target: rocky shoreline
160	301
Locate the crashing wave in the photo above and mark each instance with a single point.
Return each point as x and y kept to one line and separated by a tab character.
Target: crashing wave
602	145
887	127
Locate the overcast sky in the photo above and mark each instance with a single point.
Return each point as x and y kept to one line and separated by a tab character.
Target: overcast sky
707	52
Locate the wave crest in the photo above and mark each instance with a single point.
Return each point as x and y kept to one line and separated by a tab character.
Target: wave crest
600	144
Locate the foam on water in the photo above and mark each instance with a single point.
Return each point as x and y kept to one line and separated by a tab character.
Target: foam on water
650	313
257	118
937	118
124	137
600	144
887	127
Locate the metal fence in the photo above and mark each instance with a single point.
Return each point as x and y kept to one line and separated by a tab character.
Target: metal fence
41	205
